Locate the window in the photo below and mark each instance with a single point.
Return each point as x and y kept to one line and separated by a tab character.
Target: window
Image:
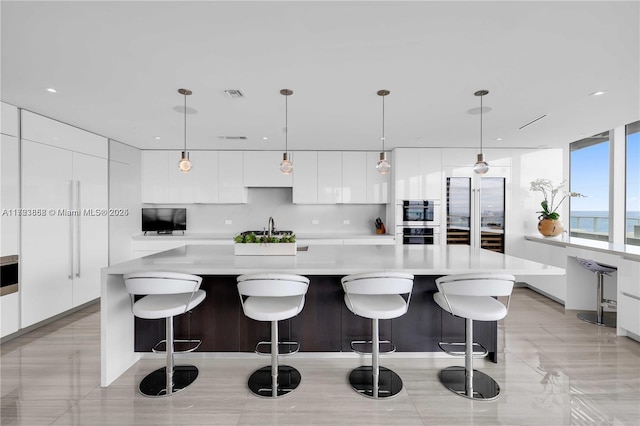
589	175
632	217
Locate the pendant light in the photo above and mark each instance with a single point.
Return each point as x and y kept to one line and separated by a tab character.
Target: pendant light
185	162
383	165
286	166
481	167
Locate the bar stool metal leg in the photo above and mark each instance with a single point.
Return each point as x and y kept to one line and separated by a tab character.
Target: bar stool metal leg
169	379
275	380
375	381
598	317
467	382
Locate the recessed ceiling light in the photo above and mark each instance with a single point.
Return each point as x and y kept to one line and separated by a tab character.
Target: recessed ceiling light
52	90
498	139
157	138
598	93
264	138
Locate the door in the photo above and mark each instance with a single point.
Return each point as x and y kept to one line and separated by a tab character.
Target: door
46	270
90	233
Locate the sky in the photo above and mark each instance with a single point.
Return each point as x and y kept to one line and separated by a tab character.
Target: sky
590	176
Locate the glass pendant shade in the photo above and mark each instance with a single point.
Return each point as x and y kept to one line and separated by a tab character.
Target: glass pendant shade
185	162
383	165
286	166
481	167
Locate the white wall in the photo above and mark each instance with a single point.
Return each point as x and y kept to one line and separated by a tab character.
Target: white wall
277	203
124	193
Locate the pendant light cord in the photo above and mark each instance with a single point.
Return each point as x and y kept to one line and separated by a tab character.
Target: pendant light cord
286	123
383	138
185	123
482	96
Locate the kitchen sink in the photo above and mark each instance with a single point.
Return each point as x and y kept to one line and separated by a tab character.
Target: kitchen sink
264	232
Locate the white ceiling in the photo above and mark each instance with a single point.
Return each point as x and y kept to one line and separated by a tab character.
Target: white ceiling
117	67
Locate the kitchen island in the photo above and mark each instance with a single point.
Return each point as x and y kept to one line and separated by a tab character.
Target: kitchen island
325	325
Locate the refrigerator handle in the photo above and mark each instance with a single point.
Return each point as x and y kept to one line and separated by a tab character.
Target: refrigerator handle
78	206
70	205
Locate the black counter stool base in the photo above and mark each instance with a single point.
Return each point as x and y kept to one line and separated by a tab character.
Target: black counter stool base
155	383
455	379
261	381
608	319
389	384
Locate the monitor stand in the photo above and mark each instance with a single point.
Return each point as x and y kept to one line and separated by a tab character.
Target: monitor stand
165	232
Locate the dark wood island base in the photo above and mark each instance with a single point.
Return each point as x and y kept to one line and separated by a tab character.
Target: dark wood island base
325	324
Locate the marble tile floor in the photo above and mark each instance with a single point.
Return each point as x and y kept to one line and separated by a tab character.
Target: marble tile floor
554	370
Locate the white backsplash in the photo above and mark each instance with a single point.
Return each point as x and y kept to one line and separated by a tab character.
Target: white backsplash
277	203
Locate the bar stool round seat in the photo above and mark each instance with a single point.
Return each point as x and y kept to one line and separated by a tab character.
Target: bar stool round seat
166	294
273	297
599	316
377	295
472	297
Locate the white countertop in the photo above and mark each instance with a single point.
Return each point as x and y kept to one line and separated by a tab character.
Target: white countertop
625	250
337	260
229	236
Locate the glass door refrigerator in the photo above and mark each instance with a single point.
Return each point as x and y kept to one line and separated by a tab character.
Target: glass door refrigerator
475	208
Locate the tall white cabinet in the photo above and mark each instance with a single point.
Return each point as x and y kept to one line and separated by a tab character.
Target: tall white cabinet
65	240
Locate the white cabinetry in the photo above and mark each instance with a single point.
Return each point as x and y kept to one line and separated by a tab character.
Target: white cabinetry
333	177
418	173
64	249
262	169
329	177
354	177
629	297
9	199
216	177
305	178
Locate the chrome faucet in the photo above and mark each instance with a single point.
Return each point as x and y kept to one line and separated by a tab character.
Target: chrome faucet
271	226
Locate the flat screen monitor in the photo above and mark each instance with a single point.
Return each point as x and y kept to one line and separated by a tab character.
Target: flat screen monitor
164	220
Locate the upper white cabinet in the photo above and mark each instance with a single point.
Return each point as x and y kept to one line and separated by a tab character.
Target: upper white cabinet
329	177
231	186
305	178
377	184
262	169
418	173
215	177
9	119
354	177
41	129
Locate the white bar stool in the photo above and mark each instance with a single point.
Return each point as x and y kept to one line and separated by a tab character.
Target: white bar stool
272	297
472	297
166	294
598	317
377	295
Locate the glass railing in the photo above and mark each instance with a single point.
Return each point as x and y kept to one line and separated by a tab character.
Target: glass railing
597	228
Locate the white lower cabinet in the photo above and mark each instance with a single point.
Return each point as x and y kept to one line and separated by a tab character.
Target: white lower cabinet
629	297
65	245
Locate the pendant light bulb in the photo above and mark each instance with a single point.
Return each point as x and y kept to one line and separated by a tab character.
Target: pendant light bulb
383	166
185	163
286	166
481	167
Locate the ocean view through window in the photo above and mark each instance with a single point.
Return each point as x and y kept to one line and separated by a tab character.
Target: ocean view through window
589	175
632	215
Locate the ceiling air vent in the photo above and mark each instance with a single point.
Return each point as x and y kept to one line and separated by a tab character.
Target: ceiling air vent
233	138
532	121
234	93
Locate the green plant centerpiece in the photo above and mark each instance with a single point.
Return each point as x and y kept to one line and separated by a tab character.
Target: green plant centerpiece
252	244
548	219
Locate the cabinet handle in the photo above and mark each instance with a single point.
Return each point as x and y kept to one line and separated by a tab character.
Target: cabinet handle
624	293
78	206
70	185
